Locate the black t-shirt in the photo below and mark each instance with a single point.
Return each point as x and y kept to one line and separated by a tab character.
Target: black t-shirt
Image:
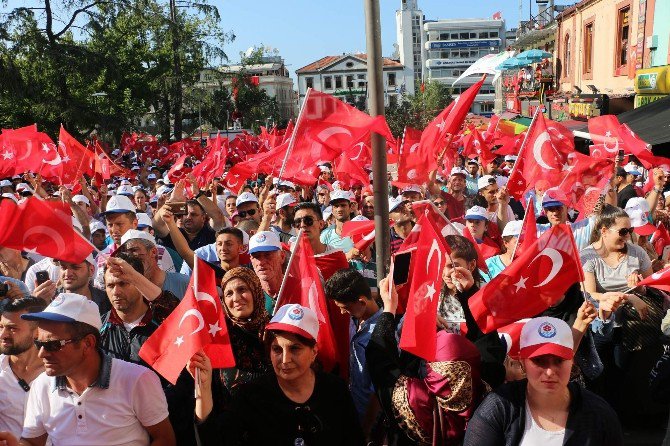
205	237
624	195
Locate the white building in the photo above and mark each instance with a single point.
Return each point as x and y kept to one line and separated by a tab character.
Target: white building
346	76
271	75
411	40
448	48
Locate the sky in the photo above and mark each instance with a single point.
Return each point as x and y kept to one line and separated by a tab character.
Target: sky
306	30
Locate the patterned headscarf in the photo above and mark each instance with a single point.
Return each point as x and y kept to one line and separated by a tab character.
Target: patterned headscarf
259	317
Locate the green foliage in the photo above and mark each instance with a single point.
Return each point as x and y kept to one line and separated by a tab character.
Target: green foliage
418	110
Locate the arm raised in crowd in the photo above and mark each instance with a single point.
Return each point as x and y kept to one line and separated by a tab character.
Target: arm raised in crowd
211	208
78	212
178	239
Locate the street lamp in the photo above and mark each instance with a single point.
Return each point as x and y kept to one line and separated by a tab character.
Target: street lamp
96	95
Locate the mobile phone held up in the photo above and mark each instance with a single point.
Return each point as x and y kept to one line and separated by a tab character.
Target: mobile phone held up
177	208
41	277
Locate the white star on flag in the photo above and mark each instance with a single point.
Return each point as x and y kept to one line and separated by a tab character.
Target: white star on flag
45	148
8	155
608	133
430	292
441	125
521	283
214	328
179	341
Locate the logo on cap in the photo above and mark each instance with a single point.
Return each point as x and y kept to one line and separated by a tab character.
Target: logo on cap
296	314
547	330
57	301
261	238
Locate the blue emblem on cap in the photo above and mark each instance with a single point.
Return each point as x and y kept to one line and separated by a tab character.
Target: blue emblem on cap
261	238
57	301
547	330
296	314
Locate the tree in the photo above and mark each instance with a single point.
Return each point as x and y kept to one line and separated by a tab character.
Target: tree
418	110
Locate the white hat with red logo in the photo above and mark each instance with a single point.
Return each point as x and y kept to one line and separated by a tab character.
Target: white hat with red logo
69	308
285	199
296	319
546	336
264	241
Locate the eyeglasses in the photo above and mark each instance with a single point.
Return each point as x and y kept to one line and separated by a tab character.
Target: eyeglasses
623	231
309	221
250	212
438	203
54	345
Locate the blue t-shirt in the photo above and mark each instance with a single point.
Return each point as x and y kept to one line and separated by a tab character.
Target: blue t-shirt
176	283
495	266
330	237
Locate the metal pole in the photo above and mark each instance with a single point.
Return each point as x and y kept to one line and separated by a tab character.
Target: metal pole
376	107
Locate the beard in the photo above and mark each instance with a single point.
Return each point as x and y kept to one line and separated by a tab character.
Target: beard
15	348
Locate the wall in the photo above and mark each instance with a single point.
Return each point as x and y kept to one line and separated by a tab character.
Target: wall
661	56
604	14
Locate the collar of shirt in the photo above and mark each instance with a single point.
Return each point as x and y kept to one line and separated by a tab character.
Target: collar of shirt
116	320
369	323
102	381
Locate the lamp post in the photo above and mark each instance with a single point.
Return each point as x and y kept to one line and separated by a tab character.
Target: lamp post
96	95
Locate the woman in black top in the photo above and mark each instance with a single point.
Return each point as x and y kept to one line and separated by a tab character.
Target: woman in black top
292	406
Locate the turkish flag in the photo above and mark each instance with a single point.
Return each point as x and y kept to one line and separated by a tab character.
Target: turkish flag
528	236
179	169
660	238
197	323
266	162
509	144
544	156
635	145
585	182
532	283
325	126
442	224
361	153
21	150
302	285
69	162
415	161
512	335
659	280
349	172
419	329
604	133
213	164
44	227
362	233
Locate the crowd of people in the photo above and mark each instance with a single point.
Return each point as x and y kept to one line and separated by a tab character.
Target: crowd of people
70	334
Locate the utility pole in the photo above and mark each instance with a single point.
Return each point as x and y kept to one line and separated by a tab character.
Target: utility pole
376	108
177	99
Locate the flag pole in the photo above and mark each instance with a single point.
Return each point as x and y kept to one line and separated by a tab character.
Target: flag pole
291	141
196	370
523	223
288	268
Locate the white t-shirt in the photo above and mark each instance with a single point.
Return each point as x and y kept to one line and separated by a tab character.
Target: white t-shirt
13	399
112	416
534	435
46	264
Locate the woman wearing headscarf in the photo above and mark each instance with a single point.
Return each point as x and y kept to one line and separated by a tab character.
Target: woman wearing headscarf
431	409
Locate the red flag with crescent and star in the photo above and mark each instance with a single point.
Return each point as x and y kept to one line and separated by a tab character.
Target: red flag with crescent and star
414	160
302	285
659	280
42	227
197	323
532	283
419	329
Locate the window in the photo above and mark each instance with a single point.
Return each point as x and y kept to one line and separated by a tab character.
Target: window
349	64
473	35
493	34
464	36
309	82
588	48
623	31
393	100
328	82
350	81
566	57
361	84
443	36
338	82
391	79
484	35
454	36
361	76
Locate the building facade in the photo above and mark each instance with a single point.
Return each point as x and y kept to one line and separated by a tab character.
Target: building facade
346	76
411	40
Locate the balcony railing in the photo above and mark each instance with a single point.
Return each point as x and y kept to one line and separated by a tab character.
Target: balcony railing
537	22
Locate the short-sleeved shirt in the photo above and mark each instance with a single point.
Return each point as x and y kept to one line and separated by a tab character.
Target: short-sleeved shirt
13	399
330	237
581	231
129	396
176	284
164	262
614	278
455	208
206	236
495	267
396	241
624	195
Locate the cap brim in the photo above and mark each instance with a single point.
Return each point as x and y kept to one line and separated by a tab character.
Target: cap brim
552	204
546	348
475	217
647	229
118	211
280	326
47	316
264	249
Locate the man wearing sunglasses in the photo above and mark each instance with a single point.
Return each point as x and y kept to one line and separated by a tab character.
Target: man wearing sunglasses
248	207
283	226
19	364
80	383
340	201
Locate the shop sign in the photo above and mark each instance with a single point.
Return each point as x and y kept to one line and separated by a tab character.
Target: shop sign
644	99
465	44
653	80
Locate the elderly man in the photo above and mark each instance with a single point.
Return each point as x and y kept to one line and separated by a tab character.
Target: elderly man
248	207
267	258
19	364
399	212
283	227
142	245
194	226
80	383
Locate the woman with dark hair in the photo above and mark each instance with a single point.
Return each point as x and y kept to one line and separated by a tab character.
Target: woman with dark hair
295	405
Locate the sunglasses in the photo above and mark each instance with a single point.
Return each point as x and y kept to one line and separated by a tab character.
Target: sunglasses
624	231
250	212
309	221
438	203
53	346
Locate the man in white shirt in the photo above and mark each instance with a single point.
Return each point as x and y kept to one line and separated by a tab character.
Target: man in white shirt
19	364
84	397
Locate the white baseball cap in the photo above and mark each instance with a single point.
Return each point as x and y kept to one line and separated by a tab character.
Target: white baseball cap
485	181
394	202
638	203
285	199
546	336
22	187
118	204
96	225
69	308
10	197
81	199
639	221
132	234
246	197
285	183
125	190
458	171
411	188
327	212
264	241
510	158
296	319
513	227
5	183
476	213
360	218
632	169
339	194
144	221
163	190
151	176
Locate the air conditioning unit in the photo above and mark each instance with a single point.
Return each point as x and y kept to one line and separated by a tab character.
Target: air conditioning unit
652	41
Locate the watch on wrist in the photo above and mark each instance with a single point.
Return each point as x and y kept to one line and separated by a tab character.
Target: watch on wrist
200	194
